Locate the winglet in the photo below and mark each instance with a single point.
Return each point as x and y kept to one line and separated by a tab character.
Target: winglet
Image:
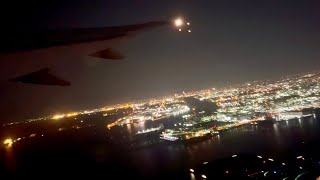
41	77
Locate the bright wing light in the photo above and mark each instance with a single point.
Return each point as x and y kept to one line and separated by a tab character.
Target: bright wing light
178	22
181	25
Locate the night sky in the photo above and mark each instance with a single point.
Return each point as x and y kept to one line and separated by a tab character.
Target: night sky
231	42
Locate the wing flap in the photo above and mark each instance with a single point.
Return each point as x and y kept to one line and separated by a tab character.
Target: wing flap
108	54
41	77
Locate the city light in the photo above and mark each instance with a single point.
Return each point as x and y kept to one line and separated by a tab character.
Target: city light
232	102
150	130
8	142
58	116
72	114
248	105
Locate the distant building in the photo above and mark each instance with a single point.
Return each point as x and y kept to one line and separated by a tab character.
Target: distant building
290	115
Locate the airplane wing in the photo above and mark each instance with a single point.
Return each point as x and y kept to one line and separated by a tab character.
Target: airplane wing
43	77
26	41
13	43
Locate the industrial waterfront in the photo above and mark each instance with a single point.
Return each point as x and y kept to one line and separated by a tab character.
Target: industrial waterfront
171	135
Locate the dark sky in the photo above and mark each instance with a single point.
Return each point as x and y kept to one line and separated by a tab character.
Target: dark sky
231	42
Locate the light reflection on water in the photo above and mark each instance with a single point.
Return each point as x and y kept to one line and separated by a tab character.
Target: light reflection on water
10	160
129	129
276	131
276	139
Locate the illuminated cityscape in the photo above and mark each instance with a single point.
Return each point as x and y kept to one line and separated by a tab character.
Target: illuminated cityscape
189	119
284	99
